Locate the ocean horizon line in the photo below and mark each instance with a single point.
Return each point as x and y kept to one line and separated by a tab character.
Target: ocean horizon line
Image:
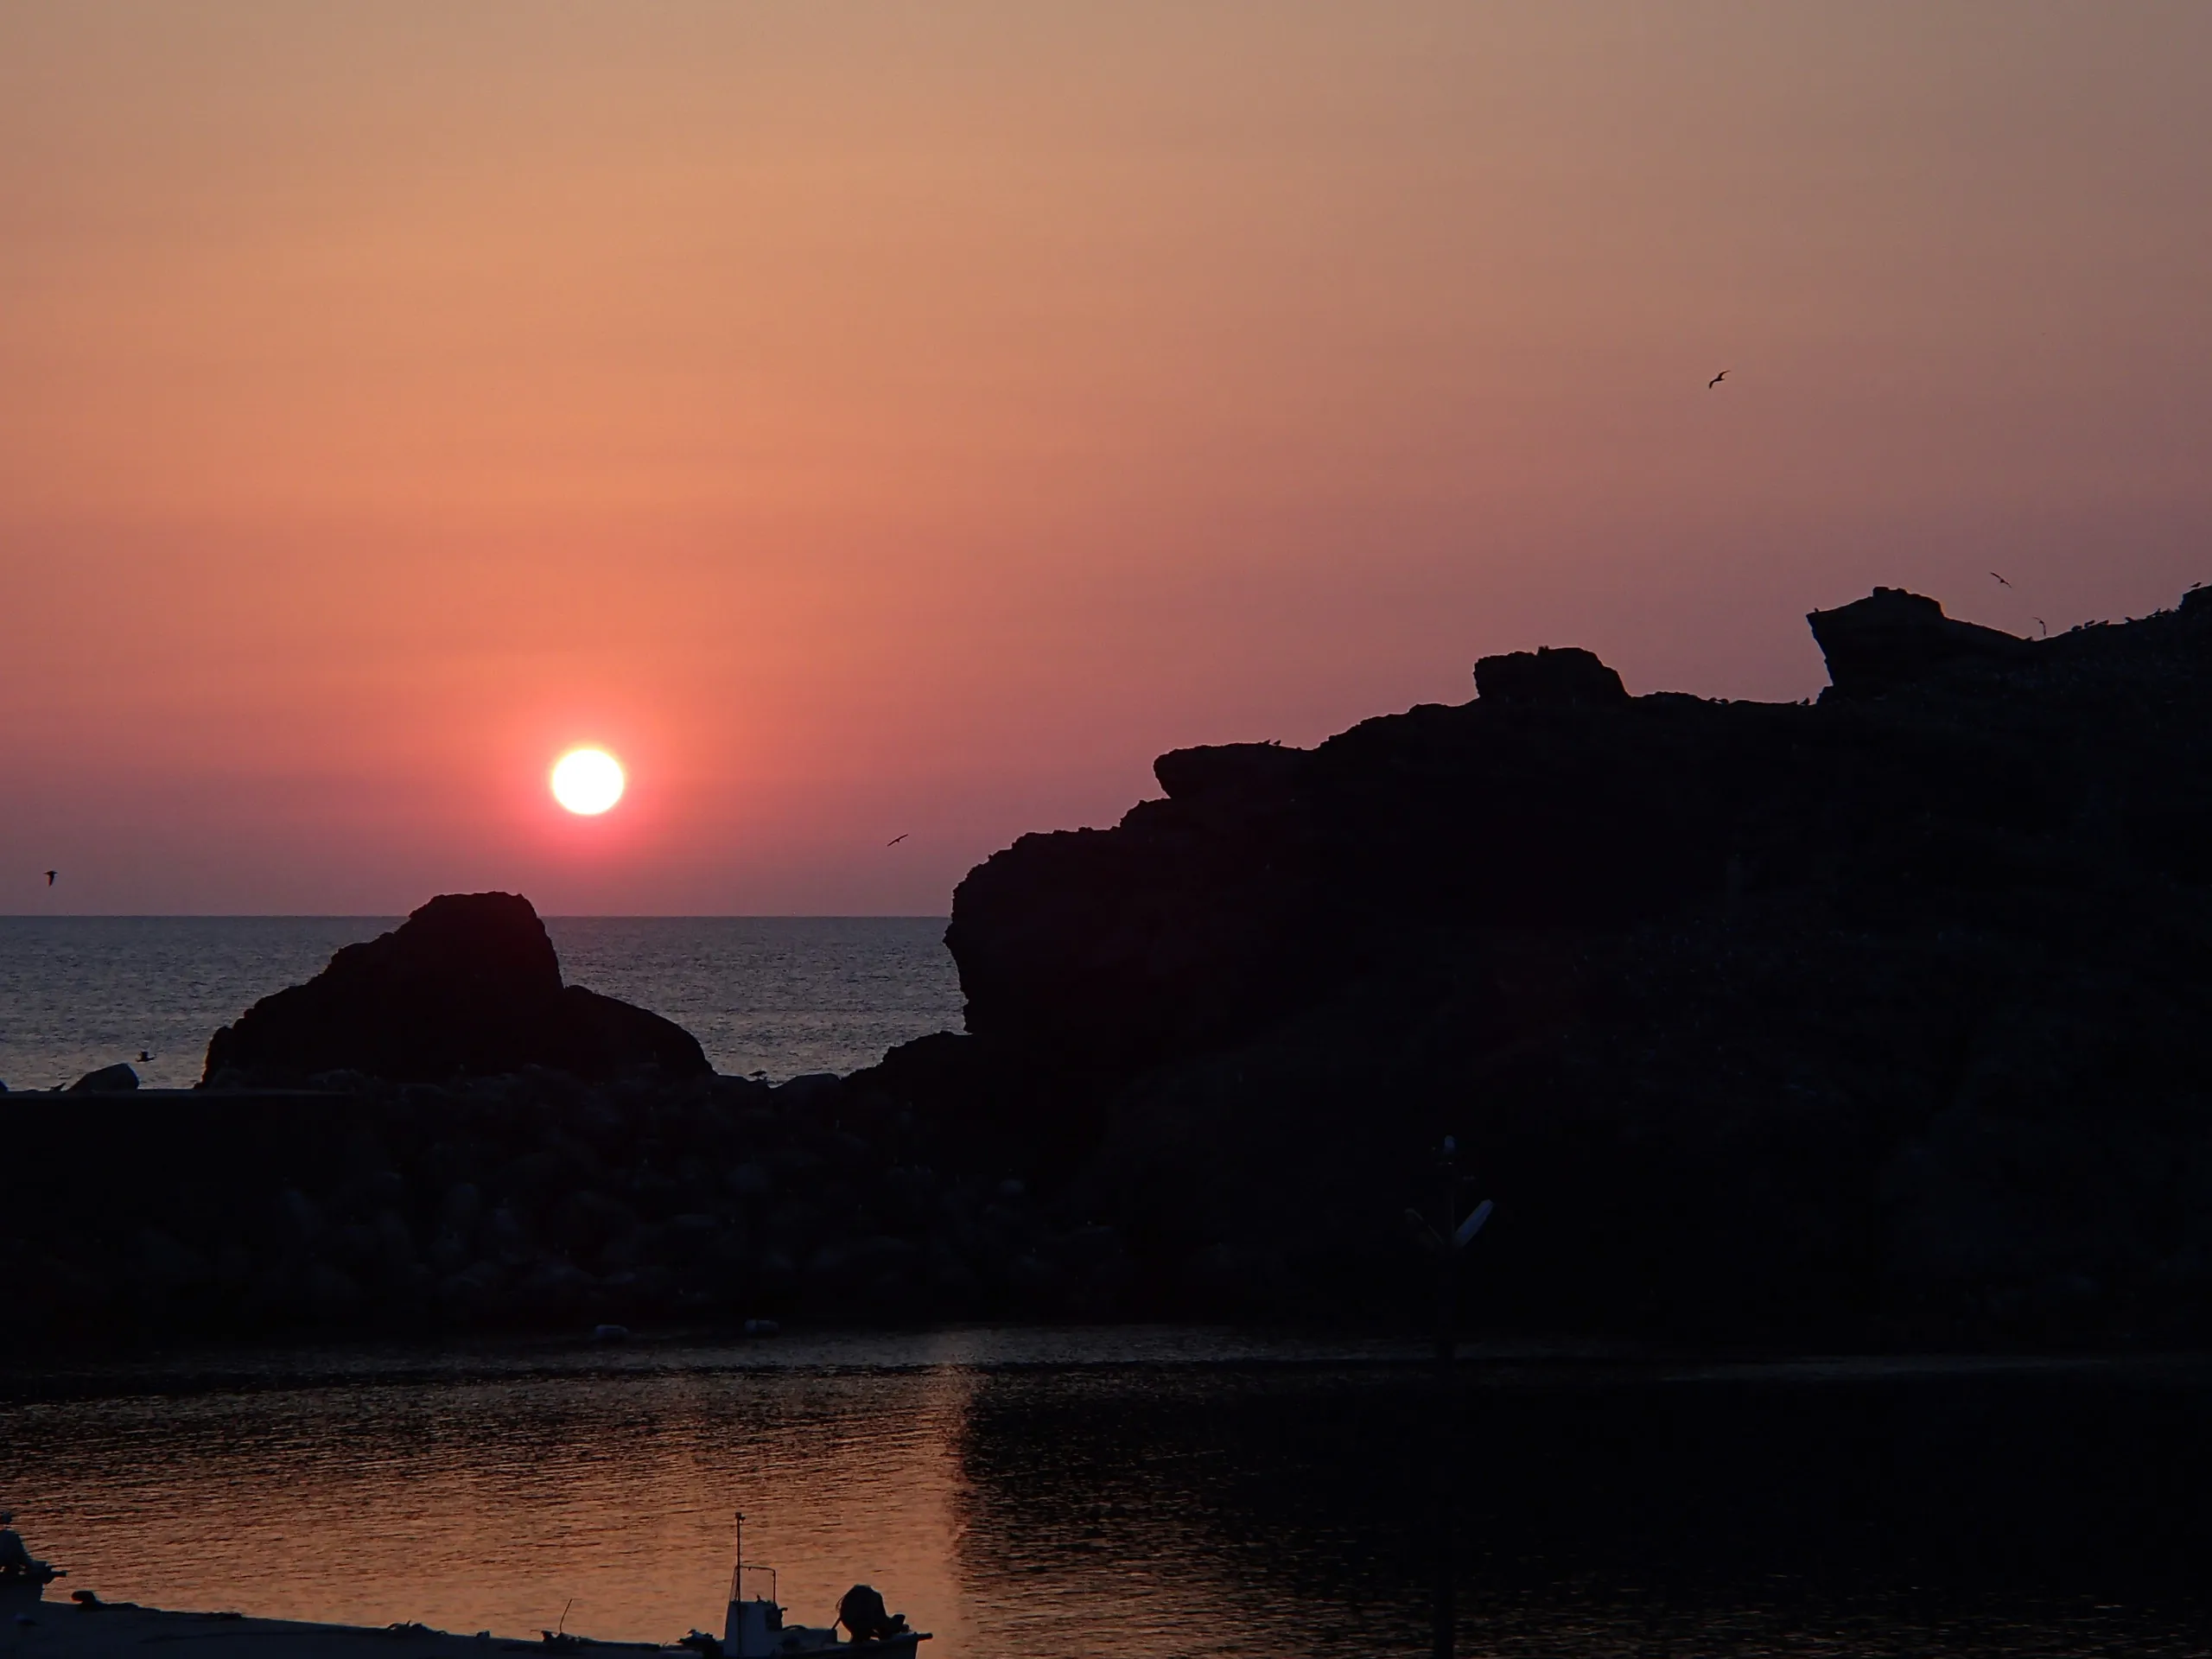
784	995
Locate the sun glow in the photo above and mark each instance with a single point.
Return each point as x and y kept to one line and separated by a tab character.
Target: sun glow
587	781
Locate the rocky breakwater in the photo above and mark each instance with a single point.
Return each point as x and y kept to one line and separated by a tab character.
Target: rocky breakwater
1886	1018
436	1133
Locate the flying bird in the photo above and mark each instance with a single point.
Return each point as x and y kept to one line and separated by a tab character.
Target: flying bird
2000	580
49	877
2044	626
1716	380
895	840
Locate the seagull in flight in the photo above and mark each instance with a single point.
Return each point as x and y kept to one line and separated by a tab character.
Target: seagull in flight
2044	626
50	874
1716	379
2002	582
895	840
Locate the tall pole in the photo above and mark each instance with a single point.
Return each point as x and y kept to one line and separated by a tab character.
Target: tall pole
1446	1443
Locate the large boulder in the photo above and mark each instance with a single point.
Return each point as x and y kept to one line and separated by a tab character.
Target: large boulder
115	1079
468	985
1262	773
1892	637
1565	676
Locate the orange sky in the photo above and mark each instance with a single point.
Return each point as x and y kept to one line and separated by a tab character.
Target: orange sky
881	419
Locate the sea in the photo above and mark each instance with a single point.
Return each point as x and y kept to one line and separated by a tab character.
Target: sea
776	996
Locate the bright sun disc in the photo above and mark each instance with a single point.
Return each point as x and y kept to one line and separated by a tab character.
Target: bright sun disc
587	781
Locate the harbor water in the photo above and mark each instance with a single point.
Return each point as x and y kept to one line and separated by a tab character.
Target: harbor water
1142	1493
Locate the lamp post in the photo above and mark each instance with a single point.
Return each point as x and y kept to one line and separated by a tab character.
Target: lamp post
1444	1240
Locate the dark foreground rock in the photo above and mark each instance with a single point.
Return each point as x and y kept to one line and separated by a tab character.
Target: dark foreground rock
1884	1019
467	986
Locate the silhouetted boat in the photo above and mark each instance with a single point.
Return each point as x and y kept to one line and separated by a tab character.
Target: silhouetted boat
754	1628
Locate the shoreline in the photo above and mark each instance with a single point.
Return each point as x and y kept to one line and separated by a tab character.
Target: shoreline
41	1625
1486	1363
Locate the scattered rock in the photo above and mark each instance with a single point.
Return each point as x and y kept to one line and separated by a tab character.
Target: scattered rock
810	1090
750	1182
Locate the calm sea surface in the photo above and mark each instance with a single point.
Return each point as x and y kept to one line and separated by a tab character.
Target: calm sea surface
779	994
1147	1494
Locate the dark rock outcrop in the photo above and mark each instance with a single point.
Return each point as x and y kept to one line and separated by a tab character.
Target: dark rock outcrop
467	986
1887	1017
108	1080
1558	677
1892	638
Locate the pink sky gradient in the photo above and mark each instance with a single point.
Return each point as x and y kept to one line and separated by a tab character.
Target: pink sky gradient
869	421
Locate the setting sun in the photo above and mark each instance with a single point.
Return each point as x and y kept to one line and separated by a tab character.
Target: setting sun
587	781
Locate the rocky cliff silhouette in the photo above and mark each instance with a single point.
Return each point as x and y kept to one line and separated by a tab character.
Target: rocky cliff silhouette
1880	1017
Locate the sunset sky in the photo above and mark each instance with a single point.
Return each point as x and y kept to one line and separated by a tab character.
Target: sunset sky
869	420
